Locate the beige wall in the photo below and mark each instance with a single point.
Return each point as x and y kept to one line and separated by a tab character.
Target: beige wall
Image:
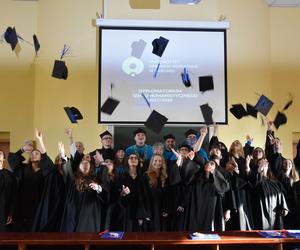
17	71
257	63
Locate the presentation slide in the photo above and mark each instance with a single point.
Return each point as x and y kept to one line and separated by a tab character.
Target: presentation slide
130	72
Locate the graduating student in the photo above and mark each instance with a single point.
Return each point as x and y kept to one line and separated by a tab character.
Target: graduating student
140	147
268	201
207	185
193	141
7	195
170	143
238	214
30	185
236	152
297	158
107	151
82	212
154	196
178	178
122	213
49	212
120	160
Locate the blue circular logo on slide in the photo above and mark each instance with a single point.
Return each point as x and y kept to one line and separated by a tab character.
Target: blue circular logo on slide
133	66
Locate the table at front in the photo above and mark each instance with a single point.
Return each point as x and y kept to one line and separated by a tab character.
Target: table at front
146	241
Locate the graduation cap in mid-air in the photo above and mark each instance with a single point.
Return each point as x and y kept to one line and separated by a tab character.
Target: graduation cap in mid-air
110	104
156	121
238	111
251	110
36	44
280	119
11	37
207	112
264	105
73	114
60	69
159	45
206	83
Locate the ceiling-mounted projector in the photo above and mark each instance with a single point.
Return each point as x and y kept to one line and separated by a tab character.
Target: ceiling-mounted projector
189	2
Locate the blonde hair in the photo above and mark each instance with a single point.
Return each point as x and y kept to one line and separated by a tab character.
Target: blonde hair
152	174
294	176
239	151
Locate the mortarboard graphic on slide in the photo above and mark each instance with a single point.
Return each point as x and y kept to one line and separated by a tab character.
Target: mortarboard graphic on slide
159	45
264	105
73	114
206	83
11	37
156	121
238	111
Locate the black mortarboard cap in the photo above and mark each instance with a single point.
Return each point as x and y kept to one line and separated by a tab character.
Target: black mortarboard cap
159	45
139	130
280	119
11	37
190	132
207	112
106	132
206	83
109	105
169	136
251	110
36	44
156	121
238	111
183	145
73	114
60	70
264	105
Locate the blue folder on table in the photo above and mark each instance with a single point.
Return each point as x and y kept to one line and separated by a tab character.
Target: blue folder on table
112	235
272	234
293	233
204	237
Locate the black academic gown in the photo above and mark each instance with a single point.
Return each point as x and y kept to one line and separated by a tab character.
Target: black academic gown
30	188
178	193
238	201
268	201
8	188
200	213
82	212
49	211
153	203
296	205
122	212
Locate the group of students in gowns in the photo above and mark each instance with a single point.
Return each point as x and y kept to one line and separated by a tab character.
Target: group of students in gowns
144	188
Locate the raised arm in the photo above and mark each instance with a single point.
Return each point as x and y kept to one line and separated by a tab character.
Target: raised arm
15	159
39	138
198	144
69	134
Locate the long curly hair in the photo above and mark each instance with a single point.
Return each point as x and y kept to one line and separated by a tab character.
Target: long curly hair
152	174
82	181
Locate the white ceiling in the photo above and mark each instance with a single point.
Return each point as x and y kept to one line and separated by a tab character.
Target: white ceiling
283	3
